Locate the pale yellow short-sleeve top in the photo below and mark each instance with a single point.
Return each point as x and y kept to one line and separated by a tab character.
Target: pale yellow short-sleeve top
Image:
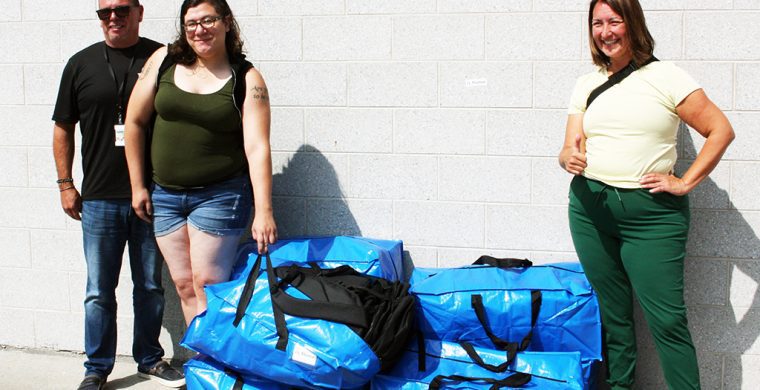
631	128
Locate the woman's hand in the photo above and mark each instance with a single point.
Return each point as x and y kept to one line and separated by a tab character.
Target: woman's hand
264	231
572	159
142	205
660	182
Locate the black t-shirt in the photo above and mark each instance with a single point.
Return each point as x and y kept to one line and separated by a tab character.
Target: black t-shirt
89	95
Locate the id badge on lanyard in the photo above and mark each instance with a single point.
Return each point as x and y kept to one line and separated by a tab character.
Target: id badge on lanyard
118	127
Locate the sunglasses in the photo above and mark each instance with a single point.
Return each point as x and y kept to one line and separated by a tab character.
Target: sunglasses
121	12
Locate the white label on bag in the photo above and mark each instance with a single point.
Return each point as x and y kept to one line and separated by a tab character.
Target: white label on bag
303	355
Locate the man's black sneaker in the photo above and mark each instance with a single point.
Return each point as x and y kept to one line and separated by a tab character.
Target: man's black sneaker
164	374
92	382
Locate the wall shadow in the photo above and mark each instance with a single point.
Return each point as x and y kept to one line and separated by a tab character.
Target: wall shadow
721	255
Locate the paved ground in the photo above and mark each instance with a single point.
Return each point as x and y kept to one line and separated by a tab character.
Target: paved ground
27	370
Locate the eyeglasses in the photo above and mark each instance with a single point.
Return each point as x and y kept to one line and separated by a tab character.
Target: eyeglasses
120	11
207	22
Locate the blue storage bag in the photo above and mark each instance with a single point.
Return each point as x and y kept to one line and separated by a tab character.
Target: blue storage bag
370	256
455	369
203	373
495	307
316	353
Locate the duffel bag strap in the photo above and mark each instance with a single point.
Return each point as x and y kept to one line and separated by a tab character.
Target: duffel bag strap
473	354
503	262
476	300
515	380
283	303
245	297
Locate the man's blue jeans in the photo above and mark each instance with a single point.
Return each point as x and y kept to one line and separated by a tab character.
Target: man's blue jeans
108	225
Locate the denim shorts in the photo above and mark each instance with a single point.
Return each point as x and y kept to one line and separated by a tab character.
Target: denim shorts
221	209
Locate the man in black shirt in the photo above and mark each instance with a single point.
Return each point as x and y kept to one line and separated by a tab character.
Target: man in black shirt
95	88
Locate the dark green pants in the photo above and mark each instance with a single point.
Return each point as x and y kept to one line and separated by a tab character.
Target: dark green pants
633	242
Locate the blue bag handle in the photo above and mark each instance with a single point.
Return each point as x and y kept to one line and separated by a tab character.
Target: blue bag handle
515	380
505	262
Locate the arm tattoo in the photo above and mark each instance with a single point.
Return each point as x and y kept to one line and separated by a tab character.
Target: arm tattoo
145	70
259	92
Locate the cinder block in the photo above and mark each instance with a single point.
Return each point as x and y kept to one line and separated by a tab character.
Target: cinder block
76	35
14	33
747	128
667	30
306	84
59	330
560	5
241	8
522	36
461	6
41	83
34	289
31	125
740	371
160	30
716	78
744	185
15	211
525	132
705	34
14	164
393	177
309	174
438	37
487	84
724	234
746	4
286	130
723	329
550	183
542	257
485	179
420	256
747	83
712	192
42	173
528	228
671	5
678	5
367	218
277	39
390	7
554	82
437	131
439	224
745	280
18	327
12	83
11	12
170	9
36	10
77	288
302	7
347	38
57	250
350	130
706	281
290	216
395	84
16	246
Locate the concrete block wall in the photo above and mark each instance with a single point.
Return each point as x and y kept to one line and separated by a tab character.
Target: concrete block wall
432	121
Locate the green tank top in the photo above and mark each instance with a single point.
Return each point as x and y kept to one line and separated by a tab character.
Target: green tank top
197	138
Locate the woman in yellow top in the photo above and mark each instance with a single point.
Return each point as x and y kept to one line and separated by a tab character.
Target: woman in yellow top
209	150
628	212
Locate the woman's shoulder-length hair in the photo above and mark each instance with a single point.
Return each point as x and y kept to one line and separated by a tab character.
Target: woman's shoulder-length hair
640	40
180	50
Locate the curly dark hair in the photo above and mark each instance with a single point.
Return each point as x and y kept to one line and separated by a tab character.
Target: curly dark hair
639	38
180	50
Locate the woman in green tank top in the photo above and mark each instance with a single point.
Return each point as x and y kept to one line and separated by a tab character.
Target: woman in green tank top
207	151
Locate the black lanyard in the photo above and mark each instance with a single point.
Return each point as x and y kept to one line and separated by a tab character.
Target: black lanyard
120	88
